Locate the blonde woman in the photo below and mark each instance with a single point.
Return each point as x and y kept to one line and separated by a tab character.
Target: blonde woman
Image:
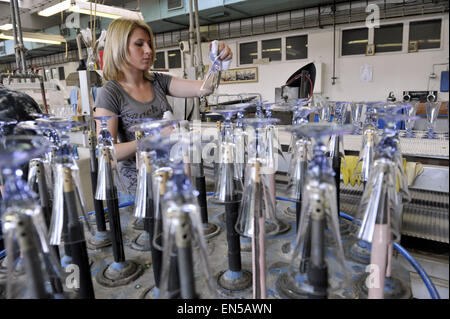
134	92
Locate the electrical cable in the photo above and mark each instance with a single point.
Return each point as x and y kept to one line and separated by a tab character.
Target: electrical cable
312	86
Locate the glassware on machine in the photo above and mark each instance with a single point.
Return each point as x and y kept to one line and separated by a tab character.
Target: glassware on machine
40	177
432	114
357	111
301	154
5	124
69	216
181	221
227	139
409	124
379	219
228	192
209	229
317	268
107	157
257	208
24	227
367	152
121	271
299	148
143	208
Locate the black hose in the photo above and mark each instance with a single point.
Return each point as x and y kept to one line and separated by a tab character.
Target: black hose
200	182
114	215
77	246
233	239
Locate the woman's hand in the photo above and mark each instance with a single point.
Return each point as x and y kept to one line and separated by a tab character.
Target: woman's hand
224	51
192	88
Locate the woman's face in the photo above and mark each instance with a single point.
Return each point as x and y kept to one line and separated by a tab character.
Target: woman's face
139	50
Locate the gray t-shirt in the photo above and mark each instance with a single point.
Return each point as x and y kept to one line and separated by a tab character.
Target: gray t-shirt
115	99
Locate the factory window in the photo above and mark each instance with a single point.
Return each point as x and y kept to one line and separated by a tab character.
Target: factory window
160	61
388	38
271	49
61	74
355	41
248	52
428	33
174	59
297	47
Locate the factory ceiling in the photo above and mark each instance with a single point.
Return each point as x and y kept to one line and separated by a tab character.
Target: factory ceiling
156	14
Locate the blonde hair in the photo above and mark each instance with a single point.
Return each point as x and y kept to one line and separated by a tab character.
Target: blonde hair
116	47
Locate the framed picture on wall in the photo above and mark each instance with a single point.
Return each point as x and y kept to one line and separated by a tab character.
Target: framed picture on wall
242	75
413	46
370	49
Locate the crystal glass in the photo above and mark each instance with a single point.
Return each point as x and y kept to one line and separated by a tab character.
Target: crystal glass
65	167
180	215
432	114
357	110
107	159
228	147
318	268
260	157
379	216
409	124
5	124
24	227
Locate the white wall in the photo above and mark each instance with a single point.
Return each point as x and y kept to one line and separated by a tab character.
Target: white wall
393	71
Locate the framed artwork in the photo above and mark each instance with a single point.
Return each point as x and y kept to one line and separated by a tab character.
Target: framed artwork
370	49
413	46
243	75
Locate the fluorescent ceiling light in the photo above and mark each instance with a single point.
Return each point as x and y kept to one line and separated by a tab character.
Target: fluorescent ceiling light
62	6
85	7
271	50
357	41
35	37
7	26
384	45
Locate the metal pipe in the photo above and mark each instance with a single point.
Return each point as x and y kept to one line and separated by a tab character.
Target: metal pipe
199	41
19	33
13	21
44	100
191	34
196	102
333	78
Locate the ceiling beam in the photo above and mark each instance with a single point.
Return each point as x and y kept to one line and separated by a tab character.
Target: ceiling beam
173	22
230	7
